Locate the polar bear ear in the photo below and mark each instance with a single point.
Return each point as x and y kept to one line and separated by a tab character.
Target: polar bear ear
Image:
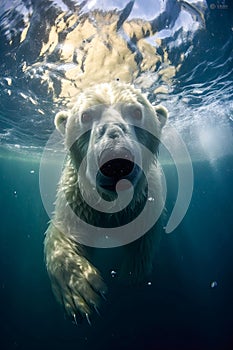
60	121
162	114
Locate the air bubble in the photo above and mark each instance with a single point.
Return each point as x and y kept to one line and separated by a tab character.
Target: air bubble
149	283
151	199
213	284
113	273
32	171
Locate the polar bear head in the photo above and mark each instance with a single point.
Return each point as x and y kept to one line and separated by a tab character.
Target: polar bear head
108	131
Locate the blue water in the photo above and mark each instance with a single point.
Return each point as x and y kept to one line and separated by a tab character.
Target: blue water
187	301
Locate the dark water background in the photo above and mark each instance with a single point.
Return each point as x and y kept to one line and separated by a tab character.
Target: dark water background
189	304
179	310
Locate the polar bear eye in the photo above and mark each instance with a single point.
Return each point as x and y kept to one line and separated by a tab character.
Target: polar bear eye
137	114
86	117
134	112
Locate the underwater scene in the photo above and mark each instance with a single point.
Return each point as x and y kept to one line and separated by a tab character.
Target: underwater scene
175	57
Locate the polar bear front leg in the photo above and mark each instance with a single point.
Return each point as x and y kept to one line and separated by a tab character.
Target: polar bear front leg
76	283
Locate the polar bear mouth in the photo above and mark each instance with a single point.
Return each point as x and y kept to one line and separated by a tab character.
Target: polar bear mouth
117	168
115	165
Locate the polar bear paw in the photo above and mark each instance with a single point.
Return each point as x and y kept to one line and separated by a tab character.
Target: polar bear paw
77	286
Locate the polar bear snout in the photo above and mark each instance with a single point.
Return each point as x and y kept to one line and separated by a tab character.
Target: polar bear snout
116	130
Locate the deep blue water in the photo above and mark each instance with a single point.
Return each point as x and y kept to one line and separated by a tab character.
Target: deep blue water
188	304
179	310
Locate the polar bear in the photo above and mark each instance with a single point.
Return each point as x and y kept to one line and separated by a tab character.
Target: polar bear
107	132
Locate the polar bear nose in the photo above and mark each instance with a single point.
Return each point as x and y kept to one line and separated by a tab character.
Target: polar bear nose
113	130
